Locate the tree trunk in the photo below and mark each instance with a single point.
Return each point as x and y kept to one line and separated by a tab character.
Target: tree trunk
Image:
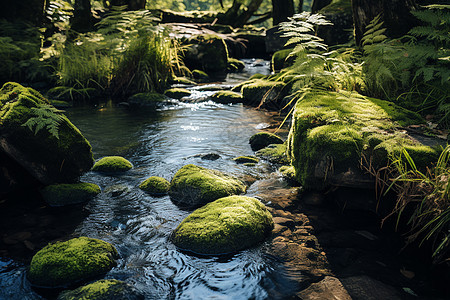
300	6
319	4
131	4
82	20
395	14
31	11
247	13
281	10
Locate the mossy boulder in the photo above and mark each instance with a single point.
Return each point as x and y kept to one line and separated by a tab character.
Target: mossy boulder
105	289
112	164
155	185
264	139
177	93
194	186
224	226
235	65
69	193
339	12
332	132
40	138
263	93
280	59
246	159
150	99
275	153
200	75
226	97
207	52
65	263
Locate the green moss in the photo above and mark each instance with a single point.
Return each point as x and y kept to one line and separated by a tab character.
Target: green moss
332	131
193	185
235	65
227	97
264	139
288	172
64	263
249	164
257	76
226	225
257	91
177	93
112	164
337	6
246	159
279	59
155	185
105	289
48	158
182	80
69	193
275	153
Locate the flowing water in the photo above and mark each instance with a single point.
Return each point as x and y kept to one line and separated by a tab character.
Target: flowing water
158	142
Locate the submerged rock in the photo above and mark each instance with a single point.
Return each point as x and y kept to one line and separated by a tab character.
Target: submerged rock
105	289
69	193
226	225
64	263
40	138
226	97
155	185
177	93
112	164
264	139
334	132
194	186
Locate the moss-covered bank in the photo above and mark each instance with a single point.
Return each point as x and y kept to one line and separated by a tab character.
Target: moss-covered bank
224	226
64	263
332	131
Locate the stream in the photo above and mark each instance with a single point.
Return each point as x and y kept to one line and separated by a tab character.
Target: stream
158	142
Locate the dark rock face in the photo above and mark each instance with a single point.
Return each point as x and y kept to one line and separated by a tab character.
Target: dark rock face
339	12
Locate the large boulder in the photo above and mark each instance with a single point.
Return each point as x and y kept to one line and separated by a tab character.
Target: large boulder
40	138
334	133
206	52
226	225
64	263
194	186
69	193
105	289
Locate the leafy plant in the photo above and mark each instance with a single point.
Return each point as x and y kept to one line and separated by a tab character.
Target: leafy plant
429	195
47	117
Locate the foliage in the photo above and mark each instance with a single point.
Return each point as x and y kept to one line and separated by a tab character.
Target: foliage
428	194
413	70
47	117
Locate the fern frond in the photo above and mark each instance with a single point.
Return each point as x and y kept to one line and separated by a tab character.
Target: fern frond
47	117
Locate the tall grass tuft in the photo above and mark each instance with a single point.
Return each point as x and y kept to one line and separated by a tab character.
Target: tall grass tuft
428	195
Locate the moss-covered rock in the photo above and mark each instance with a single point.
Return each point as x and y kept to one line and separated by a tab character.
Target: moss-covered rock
331	132
69	193
280	61
288	172
275	153
65	263
177	93
182	80
235	65
226	225
194	186
246	159
264	93
264	139
112	164
207	52
200	75
150	99
105	289
155	185
226	97
39	138
339	12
